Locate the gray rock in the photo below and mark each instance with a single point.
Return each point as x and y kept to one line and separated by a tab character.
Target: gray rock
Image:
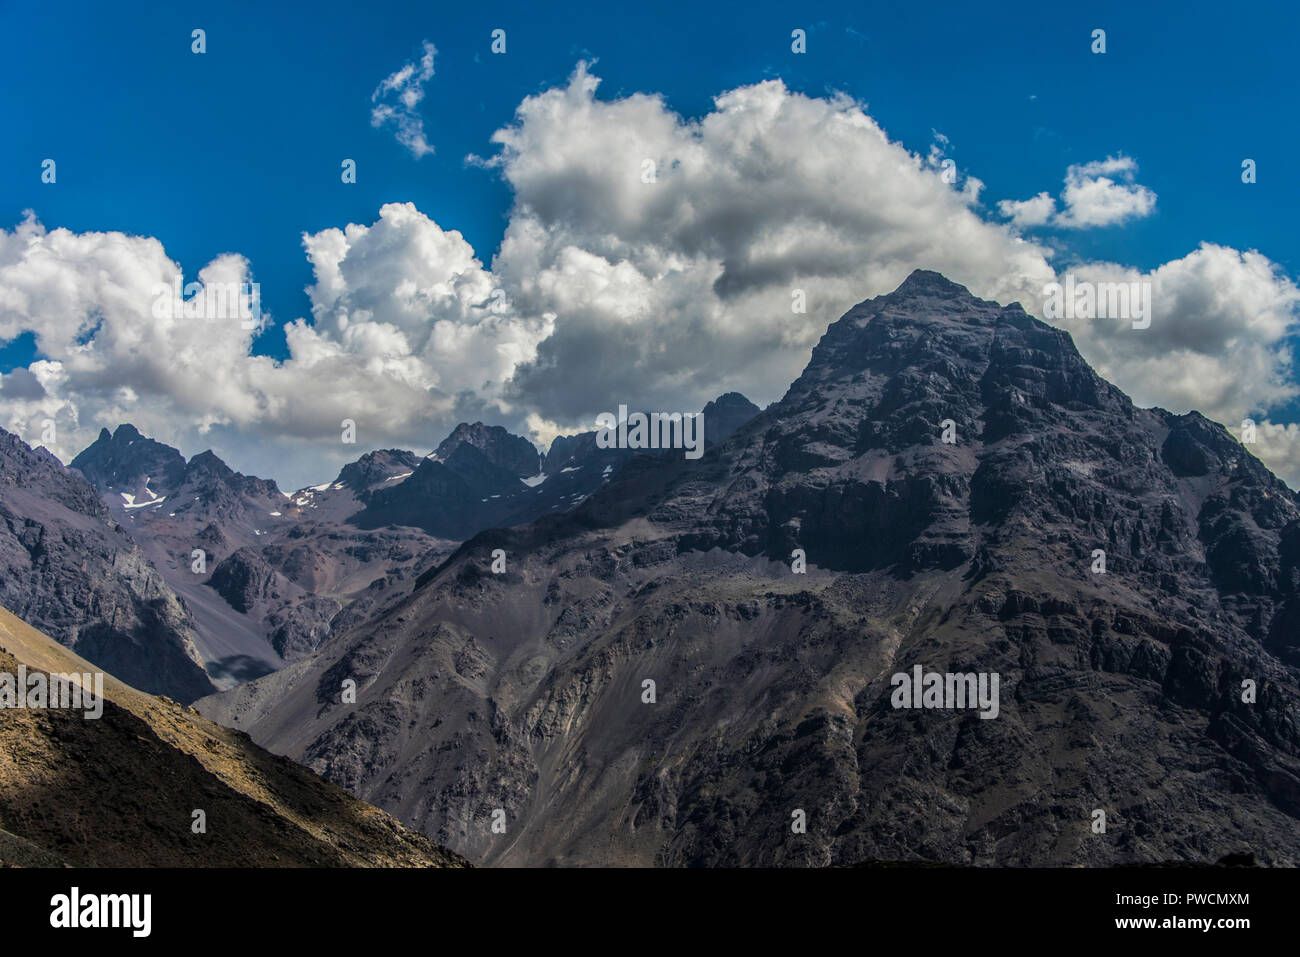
70	570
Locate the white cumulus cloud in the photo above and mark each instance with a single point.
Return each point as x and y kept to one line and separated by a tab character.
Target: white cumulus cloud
407	339
1100	193
649	259
1036	211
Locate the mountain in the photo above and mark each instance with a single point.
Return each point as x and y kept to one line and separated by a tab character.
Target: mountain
141	474
480	477
576	466
71	570
450	498
277	568
121	789
280	571
1159	688
513	453
376	470
724	415
128	461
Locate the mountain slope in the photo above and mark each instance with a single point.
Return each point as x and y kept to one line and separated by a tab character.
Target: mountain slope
120	790
1120	692
67	566
296	558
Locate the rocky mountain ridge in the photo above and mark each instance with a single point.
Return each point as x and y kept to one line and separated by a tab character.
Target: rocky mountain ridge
949	485
263	576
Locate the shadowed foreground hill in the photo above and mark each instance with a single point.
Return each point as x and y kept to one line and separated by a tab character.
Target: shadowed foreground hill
120	790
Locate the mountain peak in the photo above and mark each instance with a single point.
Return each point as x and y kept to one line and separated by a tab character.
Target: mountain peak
209	461
929	282
514	453
732	400
725	414
376	468
126	461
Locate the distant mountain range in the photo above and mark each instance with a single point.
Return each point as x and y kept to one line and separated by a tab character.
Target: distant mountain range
186	577
656	678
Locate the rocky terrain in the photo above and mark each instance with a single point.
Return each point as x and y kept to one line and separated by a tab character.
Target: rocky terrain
69	567
1123	685
121	790
280	571
483	477
277	567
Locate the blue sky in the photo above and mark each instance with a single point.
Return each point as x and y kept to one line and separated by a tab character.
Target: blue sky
238	150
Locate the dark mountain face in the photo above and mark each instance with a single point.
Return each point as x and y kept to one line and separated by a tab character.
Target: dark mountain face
481	478
576	465
377	470
68	568
969	497
724	415
126	461
513	453
451	499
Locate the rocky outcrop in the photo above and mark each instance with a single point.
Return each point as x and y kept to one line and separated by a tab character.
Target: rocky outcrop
302	627
245	579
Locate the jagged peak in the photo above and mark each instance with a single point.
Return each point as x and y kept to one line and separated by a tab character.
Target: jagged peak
377	465
208	460
732	399
929	282
501	446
